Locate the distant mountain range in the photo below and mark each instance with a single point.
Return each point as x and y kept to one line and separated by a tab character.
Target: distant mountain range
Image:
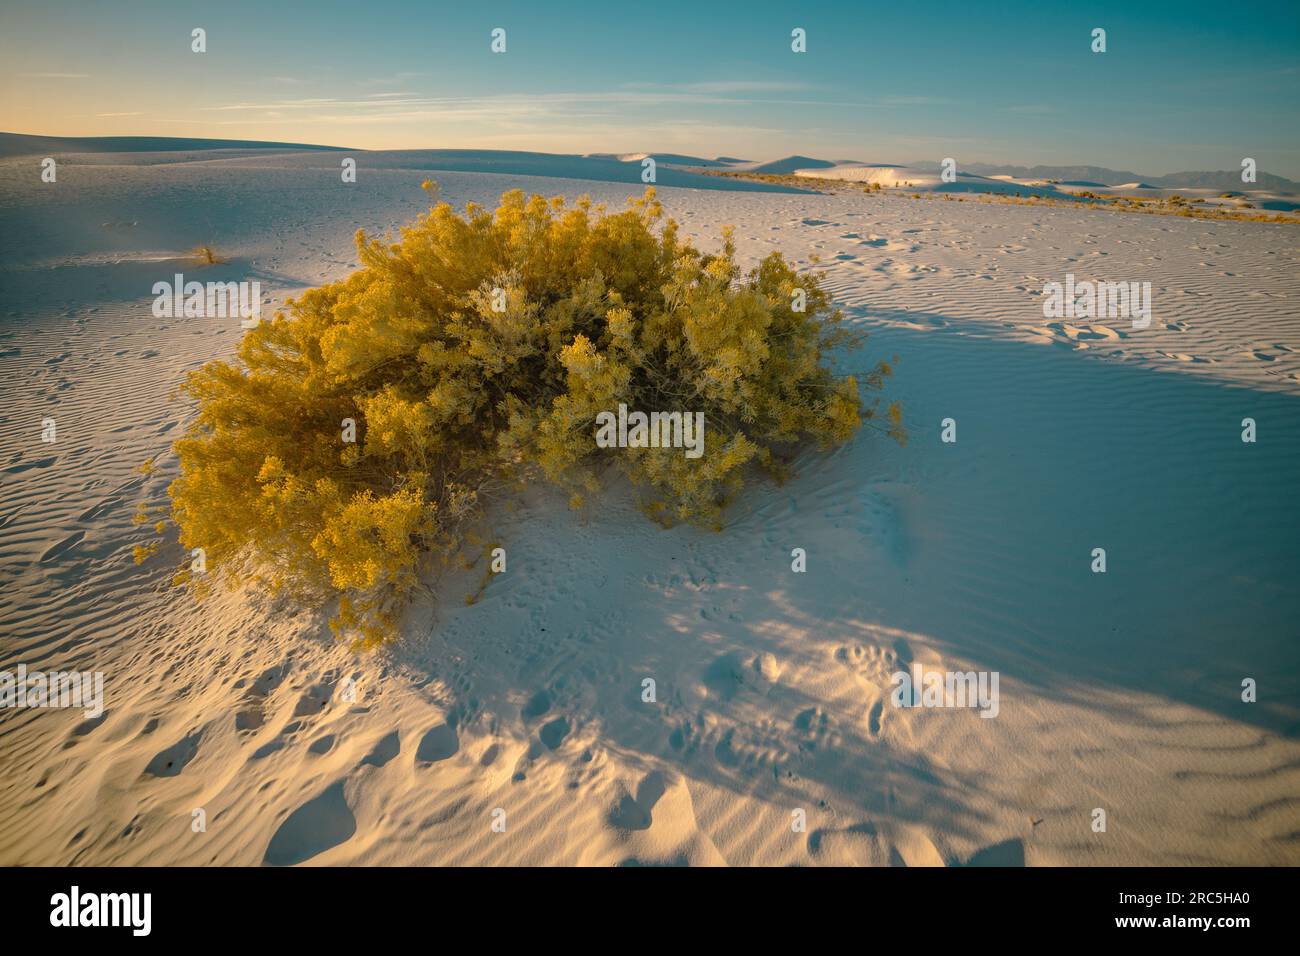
1222	179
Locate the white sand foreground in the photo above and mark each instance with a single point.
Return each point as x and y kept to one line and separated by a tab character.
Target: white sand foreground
1119	691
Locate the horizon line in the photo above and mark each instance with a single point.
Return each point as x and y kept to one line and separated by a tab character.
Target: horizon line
593	153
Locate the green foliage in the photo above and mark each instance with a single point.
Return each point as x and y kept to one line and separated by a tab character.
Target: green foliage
453	399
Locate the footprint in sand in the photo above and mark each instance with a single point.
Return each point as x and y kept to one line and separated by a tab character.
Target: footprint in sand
248	719
58	550
89	724
315	700
554	732
725	677
318	825
873	844
875	718
814	731
537	705
252	716
170	762
440	743
388	747
636	813
1100	332
27	466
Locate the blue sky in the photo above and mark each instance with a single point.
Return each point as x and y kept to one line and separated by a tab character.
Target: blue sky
1181	86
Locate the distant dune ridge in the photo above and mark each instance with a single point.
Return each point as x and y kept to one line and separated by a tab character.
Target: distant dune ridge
784	166
677	169
22	144
927	178
670	169
601	167
668	159
1101	176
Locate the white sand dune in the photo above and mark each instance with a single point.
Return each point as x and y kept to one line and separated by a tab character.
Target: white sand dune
671	169
669	159
626	170
924	181
23	144
915	179
1248	198
1118	691
788	165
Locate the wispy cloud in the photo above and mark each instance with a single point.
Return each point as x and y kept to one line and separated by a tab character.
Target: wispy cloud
504	103
725	86
914	101
643	98
394	79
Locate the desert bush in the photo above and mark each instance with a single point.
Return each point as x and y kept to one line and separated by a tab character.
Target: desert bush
206	256
475	352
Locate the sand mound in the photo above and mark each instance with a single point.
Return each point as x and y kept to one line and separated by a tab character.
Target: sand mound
788	165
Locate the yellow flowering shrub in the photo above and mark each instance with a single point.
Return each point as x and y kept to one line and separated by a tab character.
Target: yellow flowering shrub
477	350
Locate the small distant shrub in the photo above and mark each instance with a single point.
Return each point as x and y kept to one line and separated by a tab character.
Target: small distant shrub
474	353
